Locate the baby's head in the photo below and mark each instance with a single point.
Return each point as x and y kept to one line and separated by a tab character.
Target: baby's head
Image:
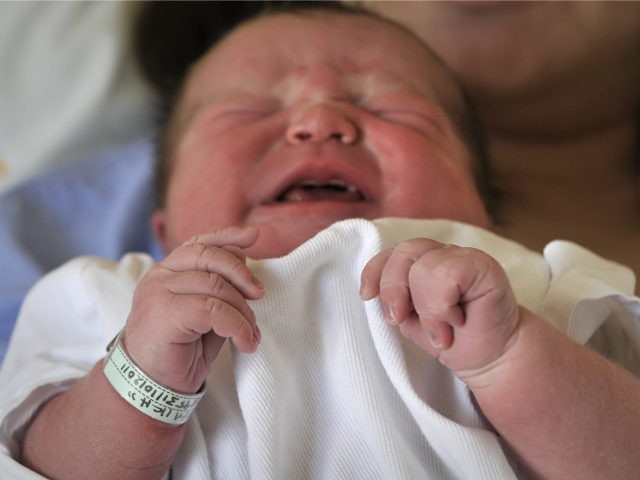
296	120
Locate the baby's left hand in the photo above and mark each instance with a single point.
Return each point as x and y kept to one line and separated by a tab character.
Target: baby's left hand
455	303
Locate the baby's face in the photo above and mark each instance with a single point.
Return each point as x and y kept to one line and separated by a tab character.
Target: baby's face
295	122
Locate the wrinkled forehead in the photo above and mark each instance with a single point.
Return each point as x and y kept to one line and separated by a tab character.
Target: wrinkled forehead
265	51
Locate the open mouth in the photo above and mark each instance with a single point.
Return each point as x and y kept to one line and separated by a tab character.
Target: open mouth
315	191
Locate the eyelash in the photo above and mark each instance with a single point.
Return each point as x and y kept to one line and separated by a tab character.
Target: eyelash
410	118
255	112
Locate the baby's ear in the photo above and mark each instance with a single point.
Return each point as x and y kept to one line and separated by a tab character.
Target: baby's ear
159	225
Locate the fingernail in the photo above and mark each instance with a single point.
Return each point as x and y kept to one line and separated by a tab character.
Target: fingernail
256	281
434	338
390	313
363	290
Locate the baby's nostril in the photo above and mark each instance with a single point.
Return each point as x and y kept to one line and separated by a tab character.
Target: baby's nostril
303	135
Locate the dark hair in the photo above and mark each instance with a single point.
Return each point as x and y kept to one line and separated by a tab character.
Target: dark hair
171	36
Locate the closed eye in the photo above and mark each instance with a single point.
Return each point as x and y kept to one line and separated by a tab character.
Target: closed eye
243	108
417	120
245	114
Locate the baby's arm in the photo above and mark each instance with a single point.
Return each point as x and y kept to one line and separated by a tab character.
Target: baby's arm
564	410
182	311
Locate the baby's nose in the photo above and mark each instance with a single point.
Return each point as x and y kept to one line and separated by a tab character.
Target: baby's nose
321	122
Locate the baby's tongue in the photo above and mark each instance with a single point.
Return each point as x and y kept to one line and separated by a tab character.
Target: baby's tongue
320	193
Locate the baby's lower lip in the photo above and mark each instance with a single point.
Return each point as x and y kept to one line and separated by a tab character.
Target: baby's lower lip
300	209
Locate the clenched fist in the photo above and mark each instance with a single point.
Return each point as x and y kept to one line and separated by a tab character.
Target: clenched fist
455	303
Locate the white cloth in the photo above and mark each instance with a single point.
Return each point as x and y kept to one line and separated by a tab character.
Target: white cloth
333	390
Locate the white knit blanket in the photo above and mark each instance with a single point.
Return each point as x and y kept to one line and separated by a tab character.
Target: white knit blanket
334	392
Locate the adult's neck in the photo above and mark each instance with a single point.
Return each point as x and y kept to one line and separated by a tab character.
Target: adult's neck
581	187
571	106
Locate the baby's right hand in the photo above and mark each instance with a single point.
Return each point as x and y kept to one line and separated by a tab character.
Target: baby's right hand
189	303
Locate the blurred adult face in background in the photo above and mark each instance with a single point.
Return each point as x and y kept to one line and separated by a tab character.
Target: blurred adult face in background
535	55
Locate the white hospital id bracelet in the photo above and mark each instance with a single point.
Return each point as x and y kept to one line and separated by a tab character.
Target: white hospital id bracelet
142	392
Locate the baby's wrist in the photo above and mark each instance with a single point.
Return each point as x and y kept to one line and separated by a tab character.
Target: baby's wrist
499	370
143	392
530	340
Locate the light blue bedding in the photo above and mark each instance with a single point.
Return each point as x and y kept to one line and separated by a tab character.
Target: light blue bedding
101	206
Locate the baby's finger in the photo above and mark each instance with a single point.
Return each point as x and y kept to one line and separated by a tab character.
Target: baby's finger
439	329
395	294
437	282
242	237
234	239
371	274
209	314
217	260
432	339
212	285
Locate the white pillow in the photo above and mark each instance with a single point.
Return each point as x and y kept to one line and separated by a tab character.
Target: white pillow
69	84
